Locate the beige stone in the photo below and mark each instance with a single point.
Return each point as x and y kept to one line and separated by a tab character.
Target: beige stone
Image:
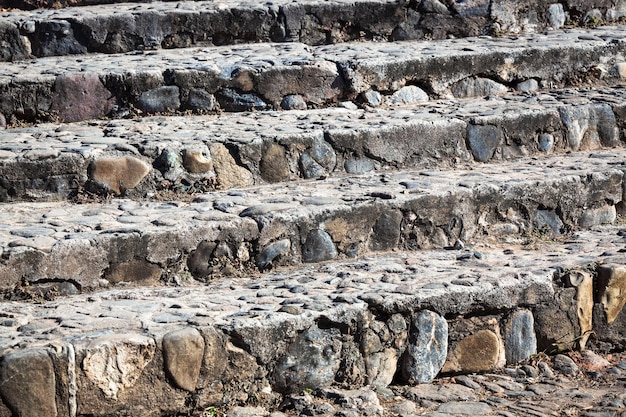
115	362
195	162
228	172
274	166
27	383
133	271
118	174
612	289
183	351
583	282
478	352
621	69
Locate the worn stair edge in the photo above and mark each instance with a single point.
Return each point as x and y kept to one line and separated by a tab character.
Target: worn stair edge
349	324
293	75
177	157
130	26
233	233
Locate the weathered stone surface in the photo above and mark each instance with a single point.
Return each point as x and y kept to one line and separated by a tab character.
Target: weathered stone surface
274	165
409	94
611	289
477	87
565	365
118	175
228	172
135	271
293	102
483	141
233	100
273	251
318	247
471	408
318	160
183	351
583	281
556	16
196	162
80	96
596	216
201	100
589	127
427	349
114	363
27	383
478	352
520	341
310	362
386	231
160	99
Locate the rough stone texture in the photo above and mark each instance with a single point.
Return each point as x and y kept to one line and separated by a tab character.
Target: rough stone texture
183	351
135	271
475	347
584	283
477	87
27	383
80	96
611	290
427	349
228	172
118	175
310	362
565	364
114	363
196	162
318	247
160	99
520	341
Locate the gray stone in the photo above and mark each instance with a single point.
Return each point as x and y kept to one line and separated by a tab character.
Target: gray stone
372	98
483	141
318	247
528	85
545	142
27	383
589	127
310	362
160	99
409	94
556	16
545	370
169	163
293	102
472	8
593	17
359	165
601	215
565	365
548	219
201	100
267	256
3	121
183	351
465	408
477	87
247	412
434	6
318	160
520	340
428	347
386	230
232	100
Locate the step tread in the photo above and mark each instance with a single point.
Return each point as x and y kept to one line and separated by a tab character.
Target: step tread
164	80
437	279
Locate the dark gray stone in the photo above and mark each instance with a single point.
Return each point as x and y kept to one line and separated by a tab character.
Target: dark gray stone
265	258
310	362
386	231
520	340
55	37
293	102
201	100
232	100
318	247
428	348
80	96
483	141
318	160
160	99
565	365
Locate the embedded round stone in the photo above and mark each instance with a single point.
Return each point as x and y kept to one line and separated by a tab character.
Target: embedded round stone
182	354
520	342
318	247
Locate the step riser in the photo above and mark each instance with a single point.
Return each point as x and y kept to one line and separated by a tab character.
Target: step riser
266	154
123	28
209	242
71	90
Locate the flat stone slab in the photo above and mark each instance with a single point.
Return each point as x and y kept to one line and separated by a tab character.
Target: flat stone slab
256	228
262	76
129	26
165	157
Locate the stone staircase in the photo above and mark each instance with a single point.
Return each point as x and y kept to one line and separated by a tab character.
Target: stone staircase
209	205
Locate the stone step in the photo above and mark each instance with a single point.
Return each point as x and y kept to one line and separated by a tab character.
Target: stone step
294	75
250	229
130	26
179	157
401	317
